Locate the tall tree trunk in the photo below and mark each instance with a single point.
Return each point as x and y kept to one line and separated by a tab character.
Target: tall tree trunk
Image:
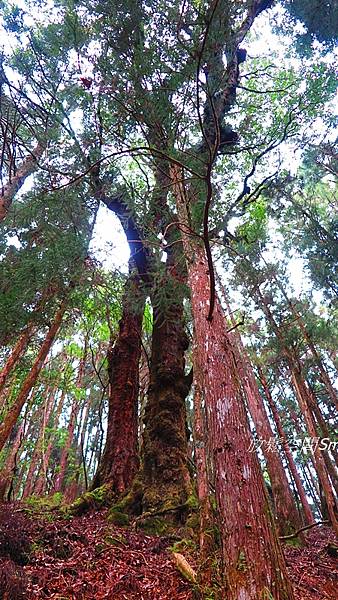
302	397
312	486
285	506
165	475
120	459
253	560
322	427
81	444
8	471
324	375
292	466
14	411
163	480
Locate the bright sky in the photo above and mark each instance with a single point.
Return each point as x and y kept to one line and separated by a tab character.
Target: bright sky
109	244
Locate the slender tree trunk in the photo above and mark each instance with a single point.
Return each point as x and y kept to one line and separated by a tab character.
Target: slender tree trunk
59	483
312	486
81	444
14	411
301	393
285	507
36	456
120	460
8	471
292	466
304	402
253	559
94	451
40	484
324	375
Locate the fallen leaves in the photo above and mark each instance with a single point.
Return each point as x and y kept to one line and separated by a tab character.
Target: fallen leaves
102	561
312	571
87	558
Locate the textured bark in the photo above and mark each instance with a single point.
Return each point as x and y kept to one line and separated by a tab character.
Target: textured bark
120	459
203	488
309	518
13	413
27	167
206	518
285	507
253	559
59	482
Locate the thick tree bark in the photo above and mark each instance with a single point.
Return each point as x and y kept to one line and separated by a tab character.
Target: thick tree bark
165	475
253	559
14	411
309	518
203	488
120	459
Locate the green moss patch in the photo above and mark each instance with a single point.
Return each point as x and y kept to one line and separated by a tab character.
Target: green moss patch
95	499
117	517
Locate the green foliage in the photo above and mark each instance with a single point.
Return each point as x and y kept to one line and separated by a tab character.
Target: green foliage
148	319
254	227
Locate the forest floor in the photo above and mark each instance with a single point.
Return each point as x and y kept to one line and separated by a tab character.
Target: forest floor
45	556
